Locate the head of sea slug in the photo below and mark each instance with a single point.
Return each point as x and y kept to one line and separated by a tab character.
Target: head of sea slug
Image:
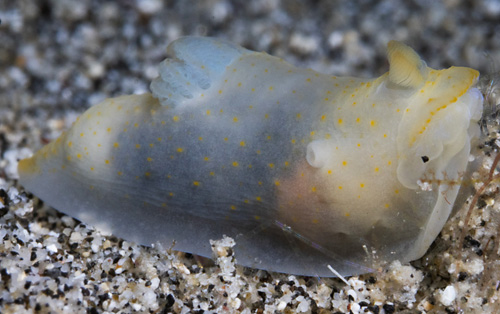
440	120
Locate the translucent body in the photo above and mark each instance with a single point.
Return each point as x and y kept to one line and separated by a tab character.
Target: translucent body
301	168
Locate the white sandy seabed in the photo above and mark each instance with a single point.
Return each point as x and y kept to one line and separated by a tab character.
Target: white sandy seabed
59	57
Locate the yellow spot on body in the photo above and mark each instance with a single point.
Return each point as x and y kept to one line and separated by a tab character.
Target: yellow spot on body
340	121
150	159
81	134
108	129
137	145
258	198
78	156
70	144
233	207
235	164
271	88
242	143
271	165
377	169
91	168
372	122
206	159
323	117
362	185
340	187
220	91
212	173
106	162
120	173
277	183
239	84
147	174
180	149
235	119
329	171
313	189
196	183
293	141
175	118
116	145
136	125
344	163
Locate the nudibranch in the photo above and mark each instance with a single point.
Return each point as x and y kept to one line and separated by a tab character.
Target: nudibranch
303	169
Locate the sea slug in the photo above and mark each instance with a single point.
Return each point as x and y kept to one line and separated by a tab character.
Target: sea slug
303	169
